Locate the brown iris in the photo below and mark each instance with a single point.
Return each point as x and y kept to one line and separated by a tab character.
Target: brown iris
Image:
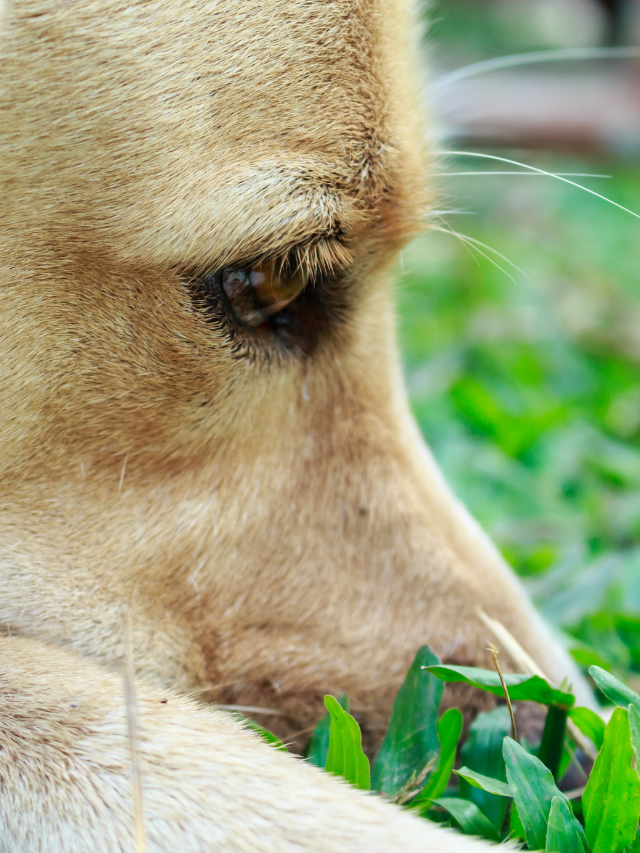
255	293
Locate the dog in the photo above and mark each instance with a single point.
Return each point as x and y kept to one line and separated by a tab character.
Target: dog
205	434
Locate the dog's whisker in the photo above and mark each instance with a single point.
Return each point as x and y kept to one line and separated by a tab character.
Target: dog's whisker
558	177
478	243
472	244
124	468
539	57
519	173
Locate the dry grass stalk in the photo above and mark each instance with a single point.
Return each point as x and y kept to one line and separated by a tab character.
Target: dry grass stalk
413	786
528	665
131	701
249	709
494	655
511	646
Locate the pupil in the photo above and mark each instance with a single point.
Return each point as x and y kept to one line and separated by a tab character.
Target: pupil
242	296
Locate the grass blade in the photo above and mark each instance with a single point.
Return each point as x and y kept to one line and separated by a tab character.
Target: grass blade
318	747
634	847
346	757
521	688
533	791
634	725
469	817
611	800
265	734
485	783
412	738
449	731
516	829
562	834
552	744
482	755
589	723
614	689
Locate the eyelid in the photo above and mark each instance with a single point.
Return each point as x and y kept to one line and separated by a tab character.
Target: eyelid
271	207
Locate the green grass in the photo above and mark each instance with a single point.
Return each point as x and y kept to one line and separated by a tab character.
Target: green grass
507	789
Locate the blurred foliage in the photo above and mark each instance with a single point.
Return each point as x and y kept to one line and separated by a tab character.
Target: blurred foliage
462	31
526	384
525	379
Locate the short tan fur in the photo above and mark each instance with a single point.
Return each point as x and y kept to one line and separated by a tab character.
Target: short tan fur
258	503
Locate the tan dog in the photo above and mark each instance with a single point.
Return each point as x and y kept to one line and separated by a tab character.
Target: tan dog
203	421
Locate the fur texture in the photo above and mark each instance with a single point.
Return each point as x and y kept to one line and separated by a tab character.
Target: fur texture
262	507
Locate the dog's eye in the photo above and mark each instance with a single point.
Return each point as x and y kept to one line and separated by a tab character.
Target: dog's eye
265	304
255	293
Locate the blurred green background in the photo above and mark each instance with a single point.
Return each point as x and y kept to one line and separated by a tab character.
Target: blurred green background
526	382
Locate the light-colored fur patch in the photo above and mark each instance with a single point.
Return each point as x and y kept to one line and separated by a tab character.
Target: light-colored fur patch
266	515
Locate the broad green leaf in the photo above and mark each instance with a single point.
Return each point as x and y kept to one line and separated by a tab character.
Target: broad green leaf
521	688
482	755
634	847
562	834
346	757
318	747
614	689
485	783
469	817
411	740
265	734
611	800
589	723
449	731
552	744
533	791
634	725
516	829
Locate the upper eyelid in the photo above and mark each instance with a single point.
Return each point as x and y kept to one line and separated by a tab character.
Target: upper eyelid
267	211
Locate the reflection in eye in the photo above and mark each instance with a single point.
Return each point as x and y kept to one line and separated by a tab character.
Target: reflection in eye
258	292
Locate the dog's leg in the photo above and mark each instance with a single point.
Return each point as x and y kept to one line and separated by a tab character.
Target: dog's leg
209	785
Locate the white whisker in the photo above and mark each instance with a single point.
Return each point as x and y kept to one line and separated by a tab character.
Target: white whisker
124	468
447	229
452	212
472	242
540	172
499	63
522	174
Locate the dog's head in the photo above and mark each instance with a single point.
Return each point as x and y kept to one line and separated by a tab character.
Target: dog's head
195	198
203	416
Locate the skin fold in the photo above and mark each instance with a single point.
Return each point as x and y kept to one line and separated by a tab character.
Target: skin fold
255	502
